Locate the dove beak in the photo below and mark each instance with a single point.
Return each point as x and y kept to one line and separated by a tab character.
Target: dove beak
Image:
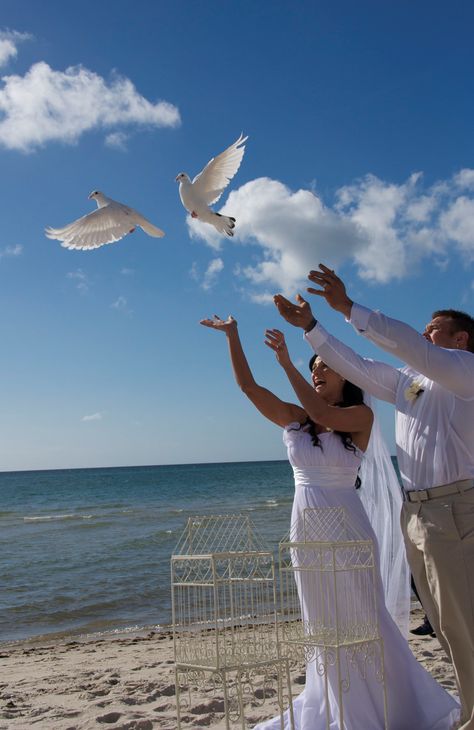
176	178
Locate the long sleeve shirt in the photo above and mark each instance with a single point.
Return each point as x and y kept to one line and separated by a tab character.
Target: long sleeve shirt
434	430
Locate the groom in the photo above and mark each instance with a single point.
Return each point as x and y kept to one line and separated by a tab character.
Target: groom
433	396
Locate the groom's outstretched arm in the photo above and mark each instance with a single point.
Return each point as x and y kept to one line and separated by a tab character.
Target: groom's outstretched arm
454	369
377	378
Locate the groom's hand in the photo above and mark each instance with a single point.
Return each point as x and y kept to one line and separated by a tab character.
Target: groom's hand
333	290
299	315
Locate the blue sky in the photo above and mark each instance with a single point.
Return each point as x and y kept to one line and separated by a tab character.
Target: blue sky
360	119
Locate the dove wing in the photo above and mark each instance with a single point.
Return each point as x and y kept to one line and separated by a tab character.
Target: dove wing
214	178
104	225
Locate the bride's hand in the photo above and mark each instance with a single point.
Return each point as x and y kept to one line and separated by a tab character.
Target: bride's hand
276	341
223	325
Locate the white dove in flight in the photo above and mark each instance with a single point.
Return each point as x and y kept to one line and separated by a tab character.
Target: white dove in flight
110	222
208	186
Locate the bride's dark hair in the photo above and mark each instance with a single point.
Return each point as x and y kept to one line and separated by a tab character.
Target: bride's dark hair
352	395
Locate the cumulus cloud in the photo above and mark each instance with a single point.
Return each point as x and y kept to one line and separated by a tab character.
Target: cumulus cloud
385	229
9	40
464	179
46	105
289	227
377	209
93	417
457	223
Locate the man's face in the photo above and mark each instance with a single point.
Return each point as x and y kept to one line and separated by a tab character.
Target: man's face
439	332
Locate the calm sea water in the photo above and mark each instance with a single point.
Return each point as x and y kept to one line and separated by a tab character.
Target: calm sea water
88	550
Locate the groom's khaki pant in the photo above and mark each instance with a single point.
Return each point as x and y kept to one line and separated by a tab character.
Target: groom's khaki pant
439	538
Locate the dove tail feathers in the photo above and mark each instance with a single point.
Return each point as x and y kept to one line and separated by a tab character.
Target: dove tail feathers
150	228
224	224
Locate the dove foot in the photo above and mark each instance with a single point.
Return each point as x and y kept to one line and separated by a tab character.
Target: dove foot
194	214
131	230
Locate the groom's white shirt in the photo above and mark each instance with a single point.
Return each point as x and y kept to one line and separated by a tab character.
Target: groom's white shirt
434	431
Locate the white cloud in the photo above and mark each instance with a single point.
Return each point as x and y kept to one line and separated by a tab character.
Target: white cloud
7	50
264	298
194	271
9	39
386	229
208	278
46	105
457	223
121	304
10	251
213	270
117	140
376	208
93	417
127	272
81	279
464	179
421	209
294	230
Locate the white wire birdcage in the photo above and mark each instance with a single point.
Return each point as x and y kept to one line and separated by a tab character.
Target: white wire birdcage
224	617
328	604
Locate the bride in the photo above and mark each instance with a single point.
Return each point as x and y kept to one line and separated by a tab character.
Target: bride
326	438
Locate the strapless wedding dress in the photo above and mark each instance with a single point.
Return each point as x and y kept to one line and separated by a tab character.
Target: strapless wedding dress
325	477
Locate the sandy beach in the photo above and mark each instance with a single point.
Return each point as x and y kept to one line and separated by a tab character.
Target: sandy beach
127	683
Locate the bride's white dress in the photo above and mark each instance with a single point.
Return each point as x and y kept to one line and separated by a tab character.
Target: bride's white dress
325	477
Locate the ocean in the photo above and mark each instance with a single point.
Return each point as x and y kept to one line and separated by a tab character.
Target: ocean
87	551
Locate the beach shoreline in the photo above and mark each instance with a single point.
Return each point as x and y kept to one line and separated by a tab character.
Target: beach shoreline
53	640
126	682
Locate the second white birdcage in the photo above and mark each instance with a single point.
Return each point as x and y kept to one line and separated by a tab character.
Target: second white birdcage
328	603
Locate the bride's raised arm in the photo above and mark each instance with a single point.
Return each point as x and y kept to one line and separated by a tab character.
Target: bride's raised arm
354	419
264	400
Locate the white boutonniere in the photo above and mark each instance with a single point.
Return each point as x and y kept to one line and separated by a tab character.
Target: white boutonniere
413	391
